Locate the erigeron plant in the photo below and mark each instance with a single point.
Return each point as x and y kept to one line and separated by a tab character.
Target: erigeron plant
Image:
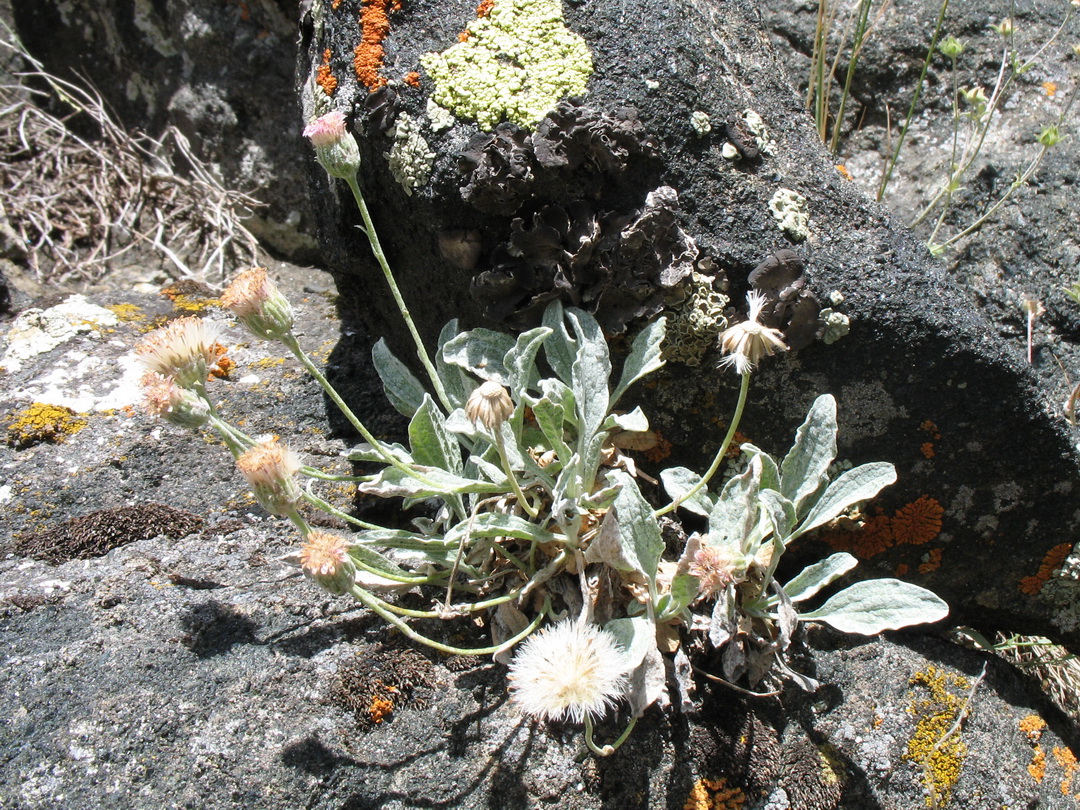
534	516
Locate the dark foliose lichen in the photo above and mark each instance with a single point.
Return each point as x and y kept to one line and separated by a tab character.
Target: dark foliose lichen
618	267
573	144
790	307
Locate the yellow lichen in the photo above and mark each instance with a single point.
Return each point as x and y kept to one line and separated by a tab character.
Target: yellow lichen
42	422
1037	768
940	758
127	313
1033	727
1067	760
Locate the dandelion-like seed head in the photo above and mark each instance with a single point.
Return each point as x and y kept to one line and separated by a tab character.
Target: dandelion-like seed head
163	398
489	405
270	469
184	350
256	301
325	560
568	671
745	343
335	147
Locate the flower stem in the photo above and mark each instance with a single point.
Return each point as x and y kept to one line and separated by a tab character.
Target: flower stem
607	750
532	511
384	265
734	426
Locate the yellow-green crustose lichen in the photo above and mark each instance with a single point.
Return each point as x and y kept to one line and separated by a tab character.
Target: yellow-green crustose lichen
515	64
696	323
42	422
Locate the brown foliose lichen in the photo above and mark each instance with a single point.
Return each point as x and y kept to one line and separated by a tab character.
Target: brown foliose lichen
791	307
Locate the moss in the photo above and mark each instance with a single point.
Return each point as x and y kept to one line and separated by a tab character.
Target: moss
514	65
42	422
938	708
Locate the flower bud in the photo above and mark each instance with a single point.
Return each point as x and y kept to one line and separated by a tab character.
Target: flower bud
164	398
325	560
335	147
258	304
1005	28
270	469
1050	136
951	47
489	405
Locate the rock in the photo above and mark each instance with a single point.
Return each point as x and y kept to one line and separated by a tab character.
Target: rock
923	380
218	72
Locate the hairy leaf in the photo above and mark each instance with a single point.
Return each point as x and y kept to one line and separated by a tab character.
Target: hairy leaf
480	352
854	486
644	357
804	468
819	575
402	389
876	605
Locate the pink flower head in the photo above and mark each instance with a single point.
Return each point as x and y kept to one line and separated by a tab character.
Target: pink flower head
326	130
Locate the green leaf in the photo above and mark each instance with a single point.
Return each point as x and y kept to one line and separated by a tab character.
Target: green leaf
684	590
497	524
635	421
480	352
402	389
636	637
365	452
456	384
732	519
770	473
819	575
429	440
805	467
680	480
632	539
561	349
550	416
854	486
876	605
372	559
393	483
644	357
590	372
520	361
781	512
399	538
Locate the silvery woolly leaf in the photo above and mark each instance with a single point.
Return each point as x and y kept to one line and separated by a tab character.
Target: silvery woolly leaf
680	480
561	348
498	524
770	473
648	682
480	352
635	421
402	389
455	382
372	559
589	372
733	518
875	605
684	679
639	531
804	468
644	357
429	440
723	624
854	486
780	510
819	575
393	483
520	361
365	452
551	419
635	636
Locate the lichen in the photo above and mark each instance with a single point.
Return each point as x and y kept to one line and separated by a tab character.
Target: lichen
514	64
410	157
701	123
789	209
440	119
941	758
834	324
693	325
324	76
714	794
916	523
374	27
756	124
1052	560
42	422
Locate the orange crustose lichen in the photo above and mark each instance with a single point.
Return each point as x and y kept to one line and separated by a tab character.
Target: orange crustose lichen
932	562
412	79
1067	760
1033	727
660	451
714	794
374	27
927	449
1053	560
324	77
1037	768
916	524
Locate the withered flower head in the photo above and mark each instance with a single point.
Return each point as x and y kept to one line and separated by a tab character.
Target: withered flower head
162	397
325	560
270	469
256	301
489	405
715	569
183	350
746	342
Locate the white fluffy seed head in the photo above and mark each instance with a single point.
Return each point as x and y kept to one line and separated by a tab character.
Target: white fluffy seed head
568	671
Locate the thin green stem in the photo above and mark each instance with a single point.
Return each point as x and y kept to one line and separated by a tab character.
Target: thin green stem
330	509
718	460
380	257
500	445
380	607
607	750
914	102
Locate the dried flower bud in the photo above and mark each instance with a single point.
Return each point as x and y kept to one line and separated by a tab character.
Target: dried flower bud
716	568
568	671
270	469
746	342
1005	28
258	304
183	350
325	560
335	147
162	397
489	405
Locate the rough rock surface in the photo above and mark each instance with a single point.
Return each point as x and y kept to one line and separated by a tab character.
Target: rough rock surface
924	379
194	669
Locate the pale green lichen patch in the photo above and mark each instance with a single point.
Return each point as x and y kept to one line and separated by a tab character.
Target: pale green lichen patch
789	208
515	65
836	324
696	323
410	157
